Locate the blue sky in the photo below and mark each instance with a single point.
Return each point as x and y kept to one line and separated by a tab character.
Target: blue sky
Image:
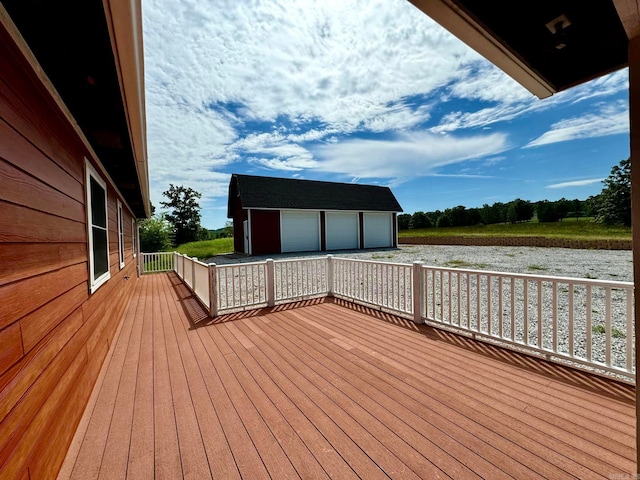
361	91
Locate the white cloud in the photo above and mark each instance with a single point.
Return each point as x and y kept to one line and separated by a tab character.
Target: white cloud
406	155
610	120
288	84
576	183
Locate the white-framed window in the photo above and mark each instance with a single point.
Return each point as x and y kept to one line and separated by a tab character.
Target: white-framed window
134	241
97	228
120	235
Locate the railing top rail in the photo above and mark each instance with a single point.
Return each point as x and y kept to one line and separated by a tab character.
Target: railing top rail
545	278
358	260
158	253
240	264
294	260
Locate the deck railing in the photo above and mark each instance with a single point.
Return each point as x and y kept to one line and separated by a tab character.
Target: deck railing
586	322
381	284
156	262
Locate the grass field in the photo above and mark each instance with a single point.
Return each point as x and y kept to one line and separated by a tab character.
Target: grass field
206	248
583	228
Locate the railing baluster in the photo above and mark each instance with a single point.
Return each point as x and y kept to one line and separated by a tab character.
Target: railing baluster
489	289
513	308
500	307
608	326
525	301
449	295
571	317
629	322
478	307
554	314
539	343
588	332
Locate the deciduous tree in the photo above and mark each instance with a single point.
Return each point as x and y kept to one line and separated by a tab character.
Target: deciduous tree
184	214
615	199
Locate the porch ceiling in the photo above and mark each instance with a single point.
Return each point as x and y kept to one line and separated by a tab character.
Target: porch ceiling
546	45
335	390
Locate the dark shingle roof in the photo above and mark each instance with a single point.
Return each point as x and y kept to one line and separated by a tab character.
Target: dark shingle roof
284	193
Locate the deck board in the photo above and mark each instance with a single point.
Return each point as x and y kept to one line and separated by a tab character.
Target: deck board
327	389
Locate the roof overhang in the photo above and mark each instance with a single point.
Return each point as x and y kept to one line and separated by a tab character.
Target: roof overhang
545	45
92	54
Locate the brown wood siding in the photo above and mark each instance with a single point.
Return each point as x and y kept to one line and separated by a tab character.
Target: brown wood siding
265	232
54	335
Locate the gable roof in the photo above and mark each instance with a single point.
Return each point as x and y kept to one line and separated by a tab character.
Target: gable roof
288	193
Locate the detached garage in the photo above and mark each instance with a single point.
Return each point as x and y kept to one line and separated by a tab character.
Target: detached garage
279	215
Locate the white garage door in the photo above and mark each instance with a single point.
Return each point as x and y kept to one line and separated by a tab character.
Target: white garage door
342	230
377	230
300	231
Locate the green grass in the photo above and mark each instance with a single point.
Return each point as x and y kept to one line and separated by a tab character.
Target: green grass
206	248
455	263
536	267
583	228
615	333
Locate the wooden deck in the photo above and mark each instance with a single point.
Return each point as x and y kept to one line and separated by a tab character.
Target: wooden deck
328	389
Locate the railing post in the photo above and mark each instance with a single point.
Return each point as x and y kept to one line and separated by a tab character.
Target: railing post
213	289
271	287
330	275
175	260
418	284
193	274
140	264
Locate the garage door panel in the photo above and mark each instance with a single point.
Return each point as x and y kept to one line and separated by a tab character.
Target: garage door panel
342	231
300	231
377	230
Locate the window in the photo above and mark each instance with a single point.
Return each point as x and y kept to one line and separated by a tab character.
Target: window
97	227
134	243
120	235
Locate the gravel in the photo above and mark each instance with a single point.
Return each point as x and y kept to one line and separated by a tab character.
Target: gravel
614	265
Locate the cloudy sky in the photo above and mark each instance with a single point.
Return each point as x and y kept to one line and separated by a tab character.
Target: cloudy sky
368	91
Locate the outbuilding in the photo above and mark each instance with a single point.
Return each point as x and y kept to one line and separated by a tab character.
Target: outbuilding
279	215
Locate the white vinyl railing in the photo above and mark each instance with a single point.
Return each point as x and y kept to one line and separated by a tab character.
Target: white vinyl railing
201	281
300	279
581	320
382	284
241	285
156	262
587	322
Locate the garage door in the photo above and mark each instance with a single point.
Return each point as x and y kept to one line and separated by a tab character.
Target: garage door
377	230
300	231
342	230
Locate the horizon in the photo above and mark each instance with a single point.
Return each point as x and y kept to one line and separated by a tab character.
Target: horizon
361	92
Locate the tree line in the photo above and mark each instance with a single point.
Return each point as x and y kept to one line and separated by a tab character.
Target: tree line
181	223
611	206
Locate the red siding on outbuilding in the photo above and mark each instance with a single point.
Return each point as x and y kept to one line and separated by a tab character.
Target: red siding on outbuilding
265	232
54	335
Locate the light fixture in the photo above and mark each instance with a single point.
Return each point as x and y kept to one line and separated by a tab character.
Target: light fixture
557	28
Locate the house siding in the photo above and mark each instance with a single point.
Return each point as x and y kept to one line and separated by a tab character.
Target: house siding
54	335
265	232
